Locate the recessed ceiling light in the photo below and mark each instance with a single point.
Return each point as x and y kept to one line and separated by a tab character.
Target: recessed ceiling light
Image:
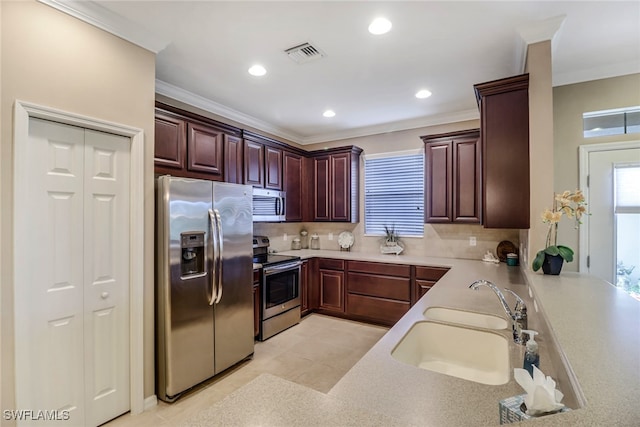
423	94
257	70
329	113
380	26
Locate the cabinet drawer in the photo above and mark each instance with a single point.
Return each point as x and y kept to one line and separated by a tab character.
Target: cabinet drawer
377	309
380	268
331	264
430	273
379	286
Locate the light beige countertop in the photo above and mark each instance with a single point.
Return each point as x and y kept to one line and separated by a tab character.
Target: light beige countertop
596	326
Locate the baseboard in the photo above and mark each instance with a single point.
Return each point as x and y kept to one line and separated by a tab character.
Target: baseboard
150	402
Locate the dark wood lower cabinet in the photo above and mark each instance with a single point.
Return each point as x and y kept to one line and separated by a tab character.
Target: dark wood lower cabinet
377	310
305	294
426	277
331	291
379	293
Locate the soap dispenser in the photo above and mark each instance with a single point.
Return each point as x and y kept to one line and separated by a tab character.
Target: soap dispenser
531	355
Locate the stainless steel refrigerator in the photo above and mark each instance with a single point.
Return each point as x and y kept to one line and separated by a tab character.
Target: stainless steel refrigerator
204	294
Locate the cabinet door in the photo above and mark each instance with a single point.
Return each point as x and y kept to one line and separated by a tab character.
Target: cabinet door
253	164
233	159
322	182
332	290
466	182
304	288
204	150
422	287
292	186
170	142
504	118
273	168
340	184
438	176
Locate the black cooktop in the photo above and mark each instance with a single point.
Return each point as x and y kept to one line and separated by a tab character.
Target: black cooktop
273	259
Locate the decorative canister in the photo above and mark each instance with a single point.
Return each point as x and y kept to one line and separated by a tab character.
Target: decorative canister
512	259
304	239
315	241
295	244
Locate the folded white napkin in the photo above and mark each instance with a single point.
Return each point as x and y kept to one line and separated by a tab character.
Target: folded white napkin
542	395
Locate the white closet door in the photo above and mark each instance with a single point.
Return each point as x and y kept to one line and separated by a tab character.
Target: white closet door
106	275
71	271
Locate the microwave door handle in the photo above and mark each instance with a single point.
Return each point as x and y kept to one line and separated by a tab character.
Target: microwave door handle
212	227
282	206
218	263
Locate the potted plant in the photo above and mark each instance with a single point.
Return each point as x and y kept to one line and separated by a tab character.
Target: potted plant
390	236
551	258
391	241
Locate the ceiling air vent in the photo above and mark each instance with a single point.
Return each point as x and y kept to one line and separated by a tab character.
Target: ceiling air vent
304	53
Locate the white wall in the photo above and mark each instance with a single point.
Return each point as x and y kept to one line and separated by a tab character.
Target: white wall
54	60
569	103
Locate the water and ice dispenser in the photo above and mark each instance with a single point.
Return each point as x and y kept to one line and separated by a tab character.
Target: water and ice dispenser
192	258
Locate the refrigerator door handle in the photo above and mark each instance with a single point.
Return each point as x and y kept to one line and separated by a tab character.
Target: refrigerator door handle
218	255
214	237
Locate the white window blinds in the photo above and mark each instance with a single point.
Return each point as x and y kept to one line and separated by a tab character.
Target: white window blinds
394	194
627	185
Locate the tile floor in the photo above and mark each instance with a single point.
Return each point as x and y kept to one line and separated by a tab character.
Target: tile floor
316	353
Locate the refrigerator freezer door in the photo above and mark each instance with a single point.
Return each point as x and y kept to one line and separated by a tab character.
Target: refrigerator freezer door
185	320
234	312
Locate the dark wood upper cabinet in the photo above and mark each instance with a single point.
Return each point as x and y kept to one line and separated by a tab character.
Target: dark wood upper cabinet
193	146
293	165
263	161
204	149
322	191
233	161
253	163
504	118
273	168
336	184
452	177
170	141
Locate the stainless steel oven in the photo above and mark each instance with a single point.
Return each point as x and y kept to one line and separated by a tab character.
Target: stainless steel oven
280	300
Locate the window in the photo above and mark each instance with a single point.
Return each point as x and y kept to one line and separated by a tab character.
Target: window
394	193
611	122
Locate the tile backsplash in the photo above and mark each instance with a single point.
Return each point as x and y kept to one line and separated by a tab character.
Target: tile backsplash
439	240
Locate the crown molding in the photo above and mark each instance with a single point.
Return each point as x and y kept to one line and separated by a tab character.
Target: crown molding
96	15
420	122
548	29
190	98
182	95
597	73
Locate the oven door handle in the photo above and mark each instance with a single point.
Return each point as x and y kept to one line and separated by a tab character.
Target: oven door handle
282	267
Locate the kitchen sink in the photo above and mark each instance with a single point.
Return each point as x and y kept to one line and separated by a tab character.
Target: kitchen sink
470	354
469	318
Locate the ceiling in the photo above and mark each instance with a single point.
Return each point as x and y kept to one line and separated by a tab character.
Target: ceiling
205	48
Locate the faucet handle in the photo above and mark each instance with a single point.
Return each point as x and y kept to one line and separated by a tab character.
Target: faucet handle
520	307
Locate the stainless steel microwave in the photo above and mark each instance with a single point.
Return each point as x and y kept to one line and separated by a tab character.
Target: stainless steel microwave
268	205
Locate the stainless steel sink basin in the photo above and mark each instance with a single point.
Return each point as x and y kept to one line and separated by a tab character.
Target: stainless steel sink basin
470	354
469	318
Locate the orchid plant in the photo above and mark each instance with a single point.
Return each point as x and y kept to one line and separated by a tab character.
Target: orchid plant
570	204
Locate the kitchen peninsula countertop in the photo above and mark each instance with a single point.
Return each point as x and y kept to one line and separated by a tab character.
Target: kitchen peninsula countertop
595	325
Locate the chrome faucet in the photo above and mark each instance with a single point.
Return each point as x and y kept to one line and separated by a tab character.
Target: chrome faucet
519	314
